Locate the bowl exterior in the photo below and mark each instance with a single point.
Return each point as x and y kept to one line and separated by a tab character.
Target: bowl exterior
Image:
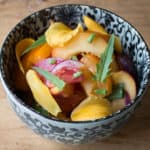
71	133
35	25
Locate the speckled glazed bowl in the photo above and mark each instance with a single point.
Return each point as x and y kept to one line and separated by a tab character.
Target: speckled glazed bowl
65	131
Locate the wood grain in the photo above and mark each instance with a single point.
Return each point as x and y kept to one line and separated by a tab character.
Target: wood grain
16	136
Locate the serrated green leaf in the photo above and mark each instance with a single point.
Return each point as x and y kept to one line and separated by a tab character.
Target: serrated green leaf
41	40
102	68
52	78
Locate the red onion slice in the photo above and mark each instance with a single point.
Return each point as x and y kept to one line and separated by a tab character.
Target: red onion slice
46	65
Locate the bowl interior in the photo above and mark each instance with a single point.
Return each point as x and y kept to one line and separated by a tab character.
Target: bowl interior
35	25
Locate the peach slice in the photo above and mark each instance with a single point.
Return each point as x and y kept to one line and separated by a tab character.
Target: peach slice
94	26
118	45
80	44
66	92
88	84
35	55
114	65
91	108
97	28
20	47
127	80
59	34
90	62
41	93
118	104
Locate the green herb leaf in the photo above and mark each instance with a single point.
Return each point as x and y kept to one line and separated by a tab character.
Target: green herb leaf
77	74
52	61
117	93
91	38
74	58
52	78
100	91
41	40
41	110
102	68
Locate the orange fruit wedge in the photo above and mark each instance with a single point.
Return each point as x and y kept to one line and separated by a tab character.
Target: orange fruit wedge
79	44
58	34
93	26
91	108
20	47
41	93
35	55
128	81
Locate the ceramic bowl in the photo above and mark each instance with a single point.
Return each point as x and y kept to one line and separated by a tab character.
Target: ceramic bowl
65	131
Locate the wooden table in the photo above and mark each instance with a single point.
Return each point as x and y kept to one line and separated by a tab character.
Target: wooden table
14	135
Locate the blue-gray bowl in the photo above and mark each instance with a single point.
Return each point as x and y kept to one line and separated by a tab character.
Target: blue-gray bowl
66	131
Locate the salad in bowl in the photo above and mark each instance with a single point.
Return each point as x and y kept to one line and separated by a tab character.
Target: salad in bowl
78	74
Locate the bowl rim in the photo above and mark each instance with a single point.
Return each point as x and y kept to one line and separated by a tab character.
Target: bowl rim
19	100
